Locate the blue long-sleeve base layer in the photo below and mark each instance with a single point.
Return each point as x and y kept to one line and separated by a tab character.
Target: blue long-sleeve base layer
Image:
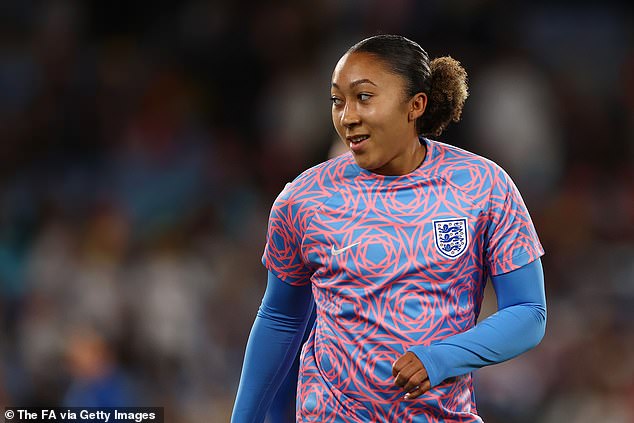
281	321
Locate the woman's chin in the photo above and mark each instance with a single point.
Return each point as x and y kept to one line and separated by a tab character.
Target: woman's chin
363	162
368	165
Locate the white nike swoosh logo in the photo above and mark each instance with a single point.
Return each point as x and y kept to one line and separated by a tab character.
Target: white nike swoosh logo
336	252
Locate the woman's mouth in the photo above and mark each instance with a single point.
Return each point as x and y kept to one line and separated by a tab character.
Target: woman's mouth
357	142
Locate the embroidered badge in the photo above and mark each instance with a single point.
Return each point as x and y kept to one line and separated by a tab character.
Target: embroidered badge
451	236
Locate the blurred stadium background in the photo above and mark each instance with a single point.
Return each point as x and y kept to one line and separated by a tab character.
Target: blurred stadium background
142	144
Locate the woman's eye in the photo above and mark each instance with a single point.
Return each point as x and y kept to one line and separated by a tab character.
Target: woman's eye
364	97
336	101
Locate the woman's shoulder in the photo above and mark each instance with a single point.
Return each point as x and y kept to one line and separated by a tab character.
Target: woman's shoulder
452	155
327	173
330	167
467	169
319	181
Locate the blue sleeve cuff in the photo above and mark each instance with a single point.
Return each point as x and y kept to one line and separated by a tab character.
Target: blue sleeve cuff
425	356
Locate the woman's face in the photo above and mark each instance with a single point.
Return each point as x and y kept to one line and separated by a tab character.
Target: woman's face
373	117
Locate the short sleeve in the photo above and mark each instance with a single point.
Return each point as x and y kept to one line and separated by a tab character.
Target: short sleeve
282	253
512	240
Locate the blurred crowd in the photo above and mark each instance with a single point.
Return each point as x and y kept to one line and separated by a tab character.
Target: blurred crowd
143	143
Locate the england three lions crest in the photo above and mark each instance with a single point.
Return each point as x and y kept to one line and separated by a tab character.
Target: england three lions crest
451	236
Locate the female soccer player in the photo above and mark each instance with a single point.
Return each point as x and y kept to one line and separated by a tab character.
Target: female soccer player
394	241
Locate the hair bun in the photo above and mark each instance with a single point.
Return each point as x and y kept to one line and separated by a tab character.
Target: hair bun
446	97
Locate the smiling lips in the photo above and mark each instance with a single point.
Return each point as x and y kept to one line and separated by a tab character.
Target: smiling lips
356	142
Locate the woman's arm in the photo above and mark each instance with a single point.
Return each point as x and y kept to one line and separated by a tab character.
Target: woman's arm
273	343
518	326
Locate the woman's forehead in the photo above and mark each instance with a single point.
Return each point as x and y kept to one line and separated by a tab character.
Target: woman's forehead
356	67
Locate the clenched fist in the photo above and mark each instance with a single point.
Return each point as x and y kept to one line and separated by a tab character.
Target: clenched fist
410	374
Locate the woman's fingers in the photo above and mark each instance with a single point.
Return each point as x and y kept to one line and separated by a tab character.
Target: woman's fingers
410	374
418	390
415	380
404	374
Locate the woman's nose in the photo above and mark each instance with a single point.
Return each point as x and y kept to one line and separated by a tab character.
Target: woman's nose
350	116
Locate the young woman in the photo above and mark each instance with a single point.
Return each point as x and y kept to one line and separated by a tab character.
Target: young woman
393	242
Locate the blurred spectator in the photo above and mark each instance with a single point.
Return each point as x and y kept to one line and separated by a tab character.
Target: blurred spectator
96	378
515	122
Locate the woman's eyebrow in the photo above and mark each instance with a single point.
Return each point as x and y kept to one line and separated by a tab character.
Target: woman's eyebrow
357	82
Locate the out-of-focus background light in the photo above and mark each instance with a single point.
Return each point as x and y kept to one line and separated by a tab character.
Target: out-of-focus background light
143	143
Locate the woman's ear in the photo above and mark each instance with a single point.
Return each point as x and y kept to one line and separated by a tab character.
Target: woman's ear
418	103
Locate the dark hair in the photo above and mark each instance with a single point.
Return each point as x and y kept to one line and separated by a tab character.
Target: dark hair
443	79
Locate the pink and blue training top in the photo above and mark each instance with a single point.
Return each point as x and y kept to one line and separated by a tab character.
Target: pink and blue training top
394	262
